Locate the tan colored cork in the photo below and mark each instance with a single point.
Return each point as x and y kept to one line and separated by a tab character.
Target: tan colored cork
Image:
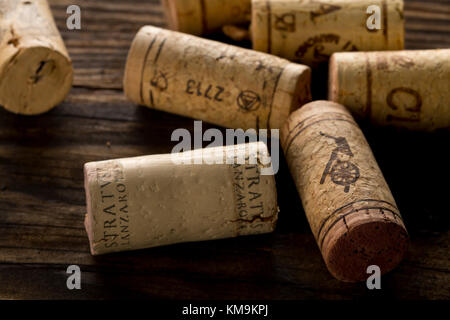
35	68
151	201
349	206
408	89
214	82
310	31
200	17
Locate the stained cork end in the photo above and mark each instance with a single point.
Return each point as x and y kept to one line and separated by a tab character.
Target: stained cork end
34	80
362	240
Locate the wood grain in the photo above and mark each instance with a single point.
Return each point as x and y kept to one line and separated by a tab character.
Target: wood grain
42	200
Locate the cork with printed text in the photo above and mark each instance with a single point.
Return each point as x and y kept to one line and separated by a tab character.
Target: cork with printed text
408	89
158	200
214	82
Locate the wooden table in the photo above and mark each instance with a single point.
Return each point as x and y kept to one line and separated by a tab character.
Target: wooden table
42	201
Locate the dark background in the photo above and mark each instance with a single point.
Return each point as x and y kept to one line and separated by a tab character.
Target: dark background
42	202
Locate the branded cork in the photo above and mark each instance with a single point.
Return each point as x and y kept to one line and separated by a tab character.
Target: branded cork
349	206
310	31
152	201
35	68
211	81
408	89
205	16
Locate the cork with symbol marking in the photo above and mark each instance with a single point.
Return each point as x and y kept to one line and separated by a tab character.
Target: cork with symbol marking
309	31
35	68
347	201
214	82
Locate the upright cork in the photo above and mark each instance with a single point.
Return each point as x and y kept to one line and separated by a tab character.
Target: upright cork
35	68
155	200
200	17
408	89
349	206
211	81
309	31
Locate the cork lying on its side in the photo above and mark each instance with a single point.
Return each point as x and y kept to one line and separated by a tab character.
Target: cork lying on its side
35	68
151	201
409	89
309	31
211	81
205	16
349	206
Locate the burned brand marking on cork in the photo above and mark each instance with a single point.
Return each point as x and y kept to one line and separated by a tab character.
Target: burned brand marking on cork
363	206
114	206
324	9
149	48
317	43
277	80
159	80
269	27
248	101
342	171
212	92
285	22
385	21
414	110
368	109
249	203
300	127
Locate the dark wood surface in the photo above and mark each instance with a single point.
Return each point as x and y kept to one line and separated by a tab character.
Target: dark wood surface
42	200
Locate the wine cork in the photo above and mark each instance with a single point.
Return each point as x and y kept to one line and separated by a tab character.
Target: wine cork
200	17
151	201
310	31
35	68
408	89
211	81
349	206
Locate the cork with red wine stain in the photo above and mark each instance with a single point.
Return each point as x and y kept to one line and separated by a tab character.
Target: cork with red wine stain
347	201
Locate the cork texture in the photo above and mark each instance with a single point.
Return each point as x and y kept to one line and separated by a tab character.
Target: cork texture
407	89
205	16
35	68
310	31
349	206
149	201
214	82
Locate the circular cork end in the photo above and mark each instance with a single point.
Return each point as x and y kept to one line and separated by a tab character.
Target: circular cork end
362	240
184	16
35	80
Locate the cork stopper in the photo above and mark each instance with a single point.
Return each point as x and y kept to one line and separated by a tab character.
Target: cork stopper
349	206
35	68
310	32
211	81
406	89
200	17
150	201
